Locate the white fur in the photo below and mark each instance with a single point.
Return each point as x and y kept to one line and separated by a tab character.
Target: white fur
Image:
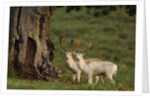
73	66
96	68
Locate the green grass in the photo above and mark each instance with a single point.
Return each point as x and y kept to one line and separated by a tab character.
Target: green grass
14	83
113	39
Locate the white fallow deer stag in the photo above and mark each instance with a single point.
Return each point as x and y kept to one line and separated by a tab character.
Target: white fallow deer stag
71	62
95	67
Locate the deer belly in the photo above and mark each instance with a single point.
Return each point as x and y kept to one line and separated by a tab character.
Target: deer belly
96	69
97	72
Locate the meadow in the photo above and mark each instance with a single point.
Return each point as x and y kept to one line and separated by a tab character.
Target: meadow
112	37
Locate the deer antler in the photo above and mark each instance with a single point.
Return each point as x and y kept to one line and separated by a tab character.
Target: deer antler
60	41
90	45
78	44
72	44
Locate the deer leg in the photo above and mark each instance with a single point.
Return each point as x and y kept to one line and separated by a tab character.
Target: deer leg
90	80
97	78
110	77
79	76
102	79
74	77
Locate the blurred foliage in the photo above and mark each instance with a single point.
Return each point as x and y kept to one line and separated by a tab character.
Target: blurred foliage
103	10
113	39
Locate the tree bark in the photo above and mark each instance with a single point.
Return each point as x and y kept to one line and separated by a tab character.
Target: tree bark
30	49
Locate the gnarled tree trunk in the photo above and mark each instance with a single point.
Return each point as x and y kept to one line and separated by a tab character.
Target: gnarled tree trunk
30	49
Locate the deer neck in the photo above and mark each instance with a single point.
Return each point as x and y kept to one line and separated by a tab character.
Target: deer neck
81	63
70	60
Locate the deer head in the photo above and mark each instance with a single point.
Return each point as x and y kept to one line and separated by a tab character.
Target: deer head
78	54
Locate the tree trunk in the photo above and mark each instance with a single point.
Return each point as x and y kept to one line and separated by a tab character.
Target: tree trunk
30	49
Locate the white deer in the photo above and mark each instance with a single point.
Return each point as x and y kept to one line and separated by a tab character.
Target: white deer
71	62
95	67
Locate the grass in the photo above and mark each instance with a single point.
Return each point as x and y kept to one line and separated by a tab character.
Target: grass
113	39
